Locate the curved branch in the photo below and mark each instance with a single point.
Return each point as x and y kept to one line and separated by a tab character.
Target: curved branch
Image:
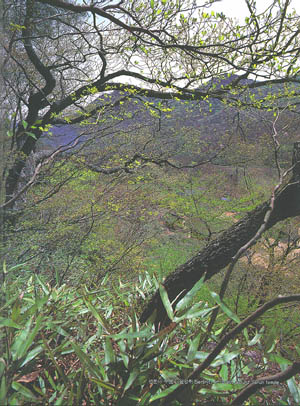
265	381
36	99
233	333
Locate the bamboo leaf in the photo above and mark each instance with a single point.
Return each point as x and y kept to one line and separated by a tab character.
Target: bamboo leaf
193	348
91	367
61	399
109	355
32	354
30	134
226	387
225	358
41	283
279	359
103	384
255	339
101	319
17	347
225	309
3	390
166	302
18	387
15	267
294	389
132	377
50	380
31	336
186	300
193	313
131	335
164	393
224	372
9	323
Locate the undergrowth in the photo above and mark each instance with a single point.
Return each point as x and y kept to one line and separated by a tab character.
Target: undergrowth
67	346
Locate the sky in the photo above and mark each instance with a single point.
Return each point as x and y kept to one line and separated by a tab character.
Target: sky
238	8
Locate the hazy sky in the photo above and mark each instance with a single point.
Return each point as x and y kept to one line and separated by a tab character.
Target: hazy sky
238	8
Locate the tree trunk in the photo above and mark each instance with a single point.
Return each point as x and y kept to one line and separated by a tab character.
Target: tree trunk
219	252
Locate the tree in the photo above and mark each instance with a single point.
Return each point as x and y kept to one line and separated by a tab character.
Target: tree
56	71
72	53
160	50
92	50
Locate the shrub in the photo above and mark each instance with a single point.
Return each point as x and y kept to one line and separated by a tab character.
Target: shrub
69	346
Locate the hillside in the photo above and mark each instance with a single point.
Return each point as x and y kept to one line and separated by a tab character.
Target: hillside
210	119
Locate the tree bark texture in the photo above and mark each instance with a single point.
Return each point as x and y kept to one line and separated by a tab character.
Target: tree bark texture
219	252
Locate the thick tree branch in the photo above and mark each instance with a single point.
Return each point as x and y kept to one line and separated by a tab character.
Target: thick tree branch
220	252
35	99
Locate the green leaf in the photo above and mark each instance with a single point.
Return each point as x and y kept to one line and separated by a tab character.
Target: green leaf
31	336
294	389
42	385
225	358
24	391
16	310
109	355
2	366
186	300
17	347
61	399
164	393
137	334
15	267
7	305
3	390
41	283
25	124
9	323
166	302
193	348
32	354
245	332
30	134
101	319
227	386
193	313
152	352
224	372
225	309
132	377
279	359
50	380
201	355
103	384
144	401
255	339
91	367
152	4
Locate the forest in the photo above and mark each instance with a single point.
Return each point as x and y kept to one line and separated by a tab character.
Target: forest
149	203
